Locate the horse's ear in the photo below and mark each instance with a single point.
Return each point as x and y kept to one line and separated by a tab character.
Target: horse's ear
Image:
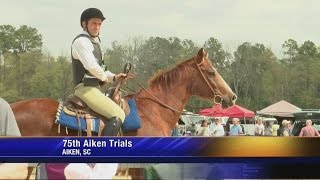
201	53
200	56
207	55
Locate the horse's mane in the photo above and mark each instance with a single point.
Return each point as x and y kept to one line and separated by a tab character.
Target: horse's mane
166	78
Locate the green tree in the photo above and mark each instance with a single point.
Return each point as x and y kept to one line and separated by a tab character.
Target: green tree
20	51
216	53
6	44
291	50
308	48
302	80
250	63
27	39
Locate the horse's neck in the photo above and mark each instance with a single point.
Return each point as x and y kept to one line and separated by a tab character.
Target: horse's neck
174	96
174	93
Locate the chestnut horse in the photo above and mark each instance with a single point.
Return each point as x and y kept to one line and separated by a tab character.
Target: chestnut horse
159	105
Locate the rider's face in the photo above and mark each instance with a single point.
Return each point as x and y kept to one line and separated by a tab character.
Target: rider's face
94	25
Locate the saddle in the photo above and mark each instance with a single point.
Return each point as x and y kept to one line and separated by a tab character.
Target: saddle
74	106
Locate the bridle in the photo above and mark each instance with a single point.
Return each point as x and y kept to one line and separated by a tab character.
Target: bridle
215	93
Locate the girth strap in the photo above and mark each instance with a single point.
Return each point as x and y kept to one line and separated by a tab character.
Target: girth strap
88	122
79	123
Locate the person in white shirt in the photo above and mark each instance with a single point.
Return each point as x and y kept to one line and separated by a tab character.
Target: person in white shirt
274	128
89	73
9	128
259	128
268	129
216	129
90	170
204	129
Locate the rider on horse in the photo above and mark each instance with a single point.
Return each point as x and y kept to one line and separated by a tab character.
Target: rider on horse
89	72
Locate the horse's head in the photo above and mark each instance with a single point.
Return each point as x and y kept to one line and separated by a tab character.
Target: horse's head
209	82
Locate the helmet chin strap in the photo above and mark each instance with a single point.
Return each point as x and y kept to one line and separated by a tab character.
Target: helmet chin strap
90	33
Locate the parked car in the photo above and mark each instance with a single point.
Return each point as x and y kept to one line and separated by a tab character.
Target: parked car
302	116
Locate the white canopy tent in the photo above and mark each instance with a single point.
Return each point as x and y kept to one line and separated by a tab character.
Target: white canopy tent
281	109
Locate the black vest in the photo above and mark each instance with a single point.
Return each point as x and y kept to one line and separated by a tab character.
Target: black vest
77	67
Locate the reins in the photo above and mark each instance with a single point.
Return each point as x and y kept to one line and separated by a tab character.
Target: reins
157	99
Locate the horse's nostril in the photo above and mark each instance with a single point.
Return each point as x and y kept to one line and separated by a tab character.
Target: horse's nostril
234	97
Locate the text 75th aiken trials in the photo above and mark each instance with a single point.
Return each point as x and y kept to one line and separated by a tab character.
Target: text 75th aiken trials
71	147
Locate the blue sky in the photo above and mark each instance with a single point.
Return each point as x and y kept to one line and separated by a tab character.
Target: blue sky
232	22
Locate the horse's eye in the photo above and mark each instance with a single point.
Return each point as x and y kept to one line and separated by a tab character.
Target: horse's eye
212	73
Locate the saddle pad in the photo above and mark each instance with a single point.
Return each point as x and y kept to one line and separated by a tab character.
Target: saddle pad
72	122
132	121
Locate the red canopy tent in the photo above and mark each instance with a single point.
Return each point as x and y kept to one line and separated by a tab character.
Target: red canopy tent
216	110
238	112
234	111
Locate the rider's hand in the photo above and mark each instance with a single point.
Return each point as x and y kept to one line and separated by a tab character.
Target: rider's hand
119	76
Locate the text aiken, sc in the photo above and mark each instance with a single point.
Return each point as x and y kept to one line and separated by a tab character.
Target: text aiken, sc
71	145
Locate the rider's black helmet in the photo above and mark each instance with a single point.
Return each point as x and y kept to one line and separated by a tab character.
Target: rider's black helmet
91	13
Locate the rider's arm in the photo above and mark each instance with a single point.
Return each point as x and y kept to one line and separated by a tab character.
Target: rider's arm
82	49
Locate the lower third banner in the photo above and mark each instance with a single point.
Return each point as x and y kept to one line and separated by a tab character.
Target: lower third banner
157	149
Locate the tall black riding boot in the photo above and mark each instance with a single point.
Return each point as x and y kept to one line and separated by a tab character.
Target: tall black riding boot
112	127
